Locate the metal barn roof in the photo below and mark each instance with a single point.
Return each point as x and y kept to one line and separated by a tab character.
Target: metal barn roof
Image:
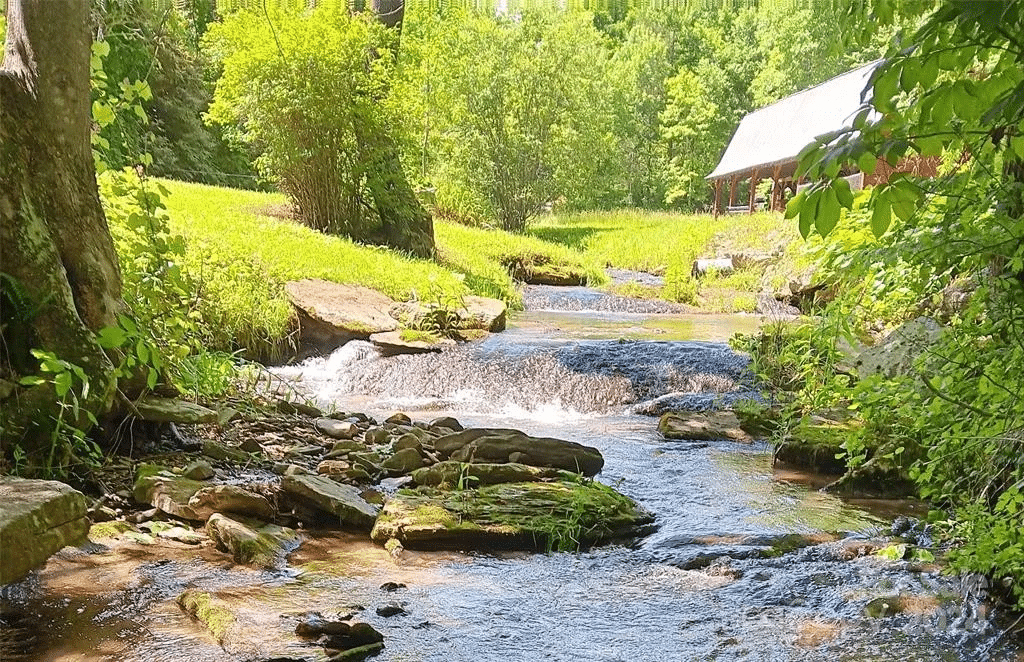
775	135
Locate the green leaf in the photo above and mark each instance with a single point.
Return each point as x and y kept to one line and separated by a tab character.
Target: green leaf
151	378
828	211
844	193
102	113
111	336
867	162
910	74
31	380
128	325
904	209
893	552
142	351
881	216
808	210
793	206
62	383
929	72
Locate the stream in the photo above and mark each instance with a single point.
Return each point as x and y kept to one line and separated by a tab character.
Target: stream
702	587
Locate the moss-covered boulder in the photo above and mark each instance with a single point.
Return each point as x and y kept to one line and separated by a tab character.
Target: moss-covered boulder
208	610
250	541
498	445
562	515
37	518
453	474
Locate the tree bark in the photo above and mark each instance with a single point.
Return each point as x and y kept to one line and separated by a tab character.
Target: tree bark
407	225
55	246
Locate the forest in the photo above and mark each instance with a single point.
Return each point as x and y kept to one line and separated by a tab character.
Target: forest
437	151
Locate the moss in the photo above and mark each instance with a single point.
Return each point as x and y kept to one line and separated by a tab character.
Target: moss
107	530
203	607
411	335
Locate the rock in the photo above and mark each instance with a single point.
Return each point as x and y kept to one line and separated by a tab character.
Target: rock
198	470
375	436
167	410
350	637
369	461
447	422
344	448
476	475
536	516
182	534
293	408
495	445
193	500
250	542
898	352
286	469
357	653
230	499
38	518
208	610
227	415
392	343
703	426
358	475
331	314
408	440
720	265
398	418
391	587
333	468
814	445
402	462
219	451
390	609
548	274
881	477
336	429
332	497
482	313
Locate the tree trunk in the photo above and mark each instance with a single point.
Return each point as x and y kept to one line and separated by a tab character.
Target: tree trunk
61	278
407	225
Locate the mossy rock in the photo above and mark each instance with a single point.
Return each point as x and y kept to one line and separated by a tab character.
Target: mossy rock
563	515
814	445
209	611
451	474
250	541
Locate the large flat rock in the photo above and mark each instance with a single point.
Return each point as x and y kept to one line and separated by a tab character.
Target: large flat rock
331	314
37	518
332	497
499	445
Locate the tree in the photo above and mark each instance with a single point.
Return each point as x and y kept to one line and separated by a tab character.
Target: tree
59	273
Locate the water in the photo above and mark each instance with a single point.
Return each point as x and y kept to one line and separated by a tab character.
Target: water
747	564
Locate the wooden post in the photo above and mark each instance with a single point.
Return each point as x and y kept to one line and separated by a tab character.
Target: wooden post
753	189
732	190
776	189
718	197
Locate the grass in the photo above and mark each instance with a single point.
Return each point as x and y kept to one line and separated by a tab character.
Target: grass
665	243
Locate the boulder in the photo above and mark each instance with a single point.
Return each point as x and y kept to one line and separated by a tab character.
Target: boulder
333	468
398	418
375	436
250	541
448	422
814	444
329	496
476	475
404	461
897	353
408	440
168	410
198	470
703	426
483	313
336	429
193	500
218	451
495	445
38	518
331	314
391	343
564	515
548	274
213	613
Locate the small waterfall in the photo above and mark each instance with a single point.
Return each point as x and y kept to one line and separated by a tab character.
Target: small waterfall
503	374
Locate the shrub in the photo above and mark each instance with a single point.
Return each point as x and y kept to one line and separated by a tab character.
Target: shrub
302	87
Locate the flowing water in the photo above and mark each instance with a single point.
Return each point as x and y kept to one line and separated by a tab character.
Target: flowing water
748	563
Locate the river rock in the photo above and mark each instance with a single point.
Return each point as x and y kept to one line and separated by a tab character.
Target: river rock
483	313
38	518
814	444
332	497
250	541
218	451
408	440
194	500
563	515
398	418
391	343
475	475
198	470
447	422
402	462
495	445
548	274
336	429
703	426
898	352
212	612
375	436
333	468
331	314
168	410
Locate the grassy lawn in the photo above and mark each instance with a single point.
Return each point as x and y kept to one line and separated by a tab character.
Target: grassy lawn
242	250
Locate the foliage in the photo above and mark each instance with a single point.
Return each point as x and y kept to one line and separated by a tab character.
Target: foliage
525	121
302	89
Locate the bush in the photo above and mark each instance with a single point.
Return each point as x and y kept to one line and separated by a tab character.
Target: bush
302	88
